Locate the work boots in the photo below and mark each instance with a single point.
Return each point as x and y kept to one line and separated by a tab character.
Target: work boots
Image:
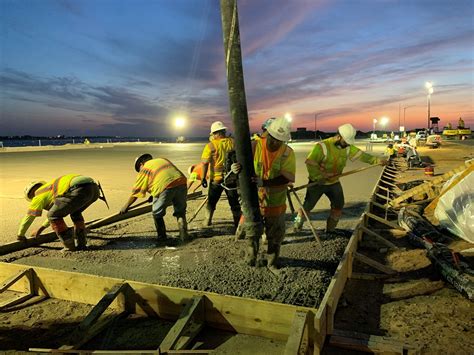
160	227
183	229
273	253
64	234
67	238
236	216
251	251
331	225
81	235
298	223
208	217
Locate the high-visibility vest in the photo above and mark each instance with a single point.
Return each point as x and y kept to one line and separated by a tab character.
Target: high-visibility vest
196	174
155	176
46	194
327	158
269	165
215	153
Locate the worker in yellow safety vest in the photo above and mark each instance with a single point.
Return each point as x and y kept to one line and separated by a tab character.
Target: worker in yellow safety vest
167	186
213	159
461	123
275	166
324	163
67	195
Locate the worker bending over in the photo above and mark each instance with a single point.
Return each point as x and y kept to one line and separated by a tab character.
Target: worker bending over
275	166
67	195
325	163
167	186
213	159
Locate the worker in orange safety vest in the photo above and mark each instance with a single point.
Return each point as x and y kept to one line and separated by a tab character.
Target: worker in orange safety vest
167	186
67	195
275	166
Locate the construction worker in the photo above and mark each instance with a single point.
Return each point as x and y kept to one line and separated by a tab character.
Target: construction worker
449	126
194	174
275	166
213	159
67	195
167	186
325	162
390	151
460	123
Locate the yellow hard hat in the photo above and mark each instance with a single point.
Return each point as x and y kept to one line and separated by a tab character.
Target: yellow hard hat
31	188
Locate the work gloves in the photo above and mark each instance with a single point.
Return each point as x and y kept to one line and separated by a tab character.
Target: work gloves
235	168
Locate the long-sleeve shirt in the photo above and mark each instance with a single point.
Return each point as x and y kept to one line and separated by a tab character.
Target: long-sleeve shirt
45	196
326	160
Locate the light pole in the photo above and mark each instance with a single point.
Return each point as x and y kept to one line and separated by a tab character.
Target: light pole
429	88
404	116
373	130
315	125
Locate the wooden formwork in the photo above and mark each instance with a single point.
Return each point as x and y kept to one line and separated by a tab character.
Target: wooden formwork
304	329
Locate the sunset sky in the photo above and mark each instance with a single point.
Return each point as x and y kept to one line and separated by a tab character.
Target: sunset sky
129	67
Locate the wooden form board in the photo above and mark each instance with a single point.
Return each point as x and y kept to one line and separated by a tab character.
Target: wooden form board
324	320
242	315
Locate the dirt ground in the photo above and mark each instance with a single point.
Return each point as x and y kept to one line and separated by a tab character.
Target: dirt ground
128	250
438	323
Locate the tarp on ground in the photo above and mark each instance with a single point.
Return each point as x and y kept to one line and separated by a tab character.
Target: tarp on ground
455	207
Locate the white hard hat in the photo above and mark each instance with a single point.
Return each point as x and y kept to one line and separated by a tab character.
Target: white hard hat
217	126
267	123
347	132
32	186
280	129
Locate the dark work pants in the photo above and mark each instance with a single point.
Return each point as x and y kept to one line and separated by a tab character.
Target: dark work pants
214	194
74	202
333	192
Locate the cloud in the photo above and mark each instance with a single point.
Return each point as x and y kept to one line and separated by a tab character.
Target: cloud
70	93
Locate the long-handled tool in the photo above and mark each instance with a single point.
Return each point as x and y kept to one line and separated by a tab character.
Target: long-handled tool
133	211
306	216
290	202
350	172
198	209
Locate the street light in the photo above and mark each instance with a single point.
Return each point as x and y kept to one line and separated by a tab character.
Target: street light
404	116
429	89
373	130
384	120
179	122
315	125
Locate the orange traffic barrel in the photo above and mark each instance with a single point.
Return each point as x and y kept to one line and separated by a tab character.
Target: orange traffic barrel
429	170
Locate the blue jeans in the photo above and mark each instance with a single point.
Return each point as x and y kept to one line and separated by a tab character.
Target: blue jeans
175	196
